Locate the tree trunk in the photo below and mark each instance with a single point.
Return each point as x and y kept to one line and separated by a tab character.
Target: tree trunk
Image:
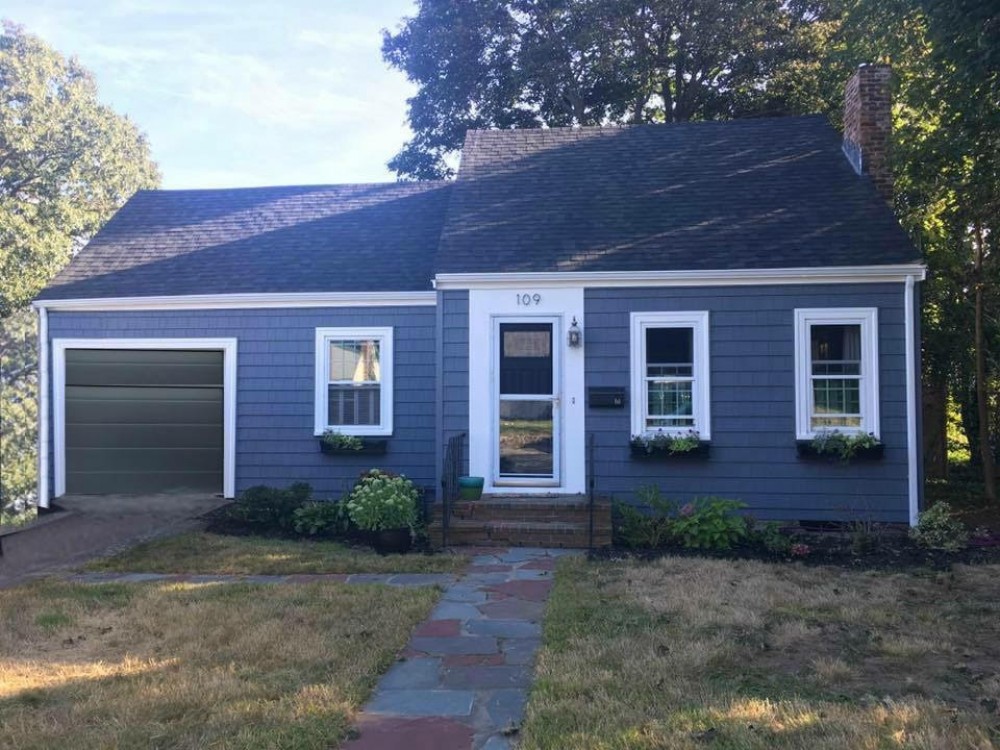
982	402
935	403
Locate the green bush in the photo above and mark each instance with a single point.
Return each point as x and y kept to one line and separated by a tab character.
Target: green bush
645	530
329	519
265	508
773	539
710	523
381	500
937	528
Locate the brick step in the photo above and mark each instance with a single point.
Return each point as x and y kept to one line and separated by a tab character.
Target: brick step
521	533
533	510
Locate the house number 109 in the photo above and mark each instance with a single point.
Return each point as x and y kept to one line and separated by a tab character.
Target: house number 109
527	300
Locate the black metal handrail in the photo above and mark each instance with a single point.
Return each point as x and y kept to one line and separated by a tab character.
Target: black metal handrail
452	470
591	481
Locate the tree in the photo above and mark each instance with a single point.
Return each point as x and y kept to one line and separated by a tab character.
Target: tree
67	163
534	63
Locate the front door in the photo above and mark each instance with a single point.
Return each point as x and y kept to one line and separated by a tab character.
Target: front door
526	421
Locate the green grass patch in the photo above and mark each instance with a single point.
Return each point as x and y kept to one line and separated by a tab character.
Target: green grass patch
204	553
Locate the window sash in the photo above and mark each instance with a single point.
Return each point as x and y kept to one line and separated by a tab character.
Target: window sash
361	403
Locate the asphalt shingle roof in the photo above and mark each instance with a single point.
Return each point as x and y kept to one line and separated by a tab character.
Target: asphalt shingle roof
765	193
761	193
356	238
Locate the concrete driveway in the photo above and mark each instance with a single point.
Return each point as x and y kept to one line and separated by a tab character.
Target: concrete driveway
93	526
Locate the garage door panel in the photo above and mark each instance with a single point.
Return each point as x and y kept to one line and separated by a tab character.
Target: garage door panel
143	421
94	405
142	482
143	368
145	435
177	460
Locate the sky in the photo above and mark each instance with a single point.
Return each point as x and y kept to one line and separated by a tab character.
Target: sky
235	93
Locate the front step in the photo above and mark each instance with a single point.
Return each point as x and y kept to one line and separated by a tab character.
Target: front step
524	521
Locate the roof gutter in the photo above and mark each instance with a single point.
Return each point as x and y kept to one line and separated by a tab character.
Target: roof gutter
717	277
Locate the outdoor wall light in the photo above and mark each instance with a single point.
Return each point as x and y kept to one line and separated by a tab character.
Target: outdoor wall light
575	334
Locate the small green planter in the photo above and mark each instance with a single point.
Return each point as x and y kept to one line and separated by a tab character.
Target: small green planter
470	488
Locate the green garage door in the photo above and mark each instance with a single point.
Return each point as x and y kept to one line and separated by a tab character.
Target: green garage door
143	421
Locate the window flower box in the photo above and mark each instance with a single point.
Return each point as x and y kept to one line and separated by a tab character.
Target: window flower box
837	447
358	447
663	447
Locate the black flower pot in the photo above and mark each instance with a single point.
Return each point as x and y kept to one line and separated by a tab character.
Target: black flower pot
392	541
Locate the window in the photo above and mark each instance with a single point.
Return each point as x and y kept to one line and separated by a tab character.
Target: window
354	381
670	374
836	371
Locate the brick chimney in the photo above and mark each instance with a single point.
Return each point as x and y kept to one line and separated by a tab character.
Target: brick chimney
868	125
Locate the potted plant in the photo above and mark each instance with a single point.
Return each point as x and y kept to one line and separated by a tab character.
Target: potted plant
470	488
385	506
662	445
337	443
833	445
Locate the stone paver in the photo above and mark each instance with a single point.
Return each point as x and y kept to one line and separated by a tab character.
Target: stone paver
470	664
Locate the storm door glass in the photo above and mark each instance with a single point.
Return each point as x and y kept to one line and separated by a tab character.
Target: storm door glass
527	401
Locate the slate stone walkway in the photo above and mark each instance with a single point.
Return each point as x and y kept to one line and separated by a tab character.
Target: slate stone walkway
389	579
462	682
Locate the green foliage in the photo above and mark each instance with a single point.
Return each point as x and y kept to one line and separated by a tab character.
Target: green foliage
639	530
383	501
18	414
341	441
772	538
665	443
500	64
269	509
710	523
327	519
845	447
67	162
937	528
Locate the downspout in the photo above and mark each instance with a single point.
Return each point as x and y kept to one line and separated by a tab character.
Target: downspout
43	407
912	449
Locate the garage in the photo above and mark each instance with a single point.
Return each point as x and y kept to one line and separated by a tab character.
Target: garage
143	420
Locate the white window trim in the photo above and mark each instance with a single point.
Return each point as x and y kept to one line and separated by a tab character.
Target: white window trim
701	387
325	335
867	318
226	345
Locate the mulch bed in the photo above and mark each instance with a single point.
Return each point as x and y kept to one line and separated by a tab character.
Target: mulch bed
892	553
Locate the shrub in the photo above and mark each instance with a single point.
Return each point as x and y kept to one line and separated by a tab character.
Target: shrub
773	539
322	519
381	500
937	528
269	508
645	530
710	523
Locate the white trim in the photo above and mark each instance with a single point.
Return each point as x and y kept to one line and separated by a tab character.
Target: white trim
496	479
701	386
564	304
244	301
227	346
717	277
913	448
867	318
43	408
322	392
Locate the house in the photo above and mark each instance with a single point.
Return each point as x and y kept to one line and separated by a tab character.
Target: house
744	282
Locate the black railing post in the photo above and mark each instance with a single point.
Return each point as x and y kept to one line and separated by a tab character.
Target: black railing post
590	486
449	482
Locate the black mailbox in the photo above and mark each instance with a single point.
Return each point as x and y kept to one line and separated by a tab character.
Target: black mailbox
606	398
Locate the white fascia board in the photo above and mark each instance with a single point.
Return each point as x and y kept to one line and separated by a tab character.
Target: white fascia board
719	277
242	301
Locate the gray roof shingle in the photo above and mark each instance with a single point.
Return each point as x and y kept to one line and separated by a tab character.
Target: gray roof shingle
761	193
357	238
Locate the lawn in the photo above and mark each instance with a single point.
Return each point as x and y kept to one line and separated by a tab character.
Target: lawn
695	653
194	666
201	552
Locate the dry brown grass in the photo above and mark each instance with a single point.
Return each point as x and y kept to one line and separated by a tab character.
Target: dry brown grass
694	653
194	666
200	552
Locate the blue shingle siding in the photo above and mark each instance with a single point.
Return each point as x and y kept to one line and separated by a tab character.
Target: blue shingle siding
753	456
455	366
275	389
